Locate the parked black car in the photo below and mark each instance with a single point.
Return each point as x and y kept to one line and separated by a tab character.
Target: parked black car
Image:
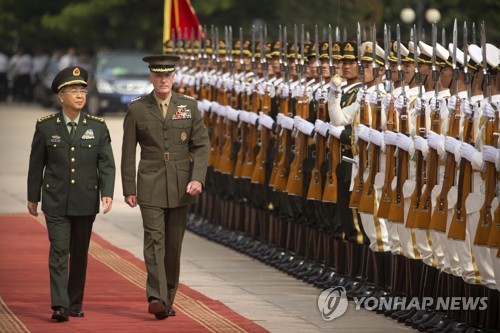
116	78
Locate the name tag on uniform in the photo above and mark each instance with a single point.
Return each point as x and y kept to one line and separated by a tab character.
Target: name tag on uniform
182	113
89	134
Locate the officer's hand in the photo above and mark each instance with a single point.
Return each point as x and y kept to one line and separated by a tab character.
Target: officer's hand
131	200
32	208
107	202
194	188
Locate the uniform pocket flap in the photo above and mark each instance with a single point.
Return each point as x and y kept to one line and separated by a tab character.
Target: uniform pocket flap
92	185
184	165
88	143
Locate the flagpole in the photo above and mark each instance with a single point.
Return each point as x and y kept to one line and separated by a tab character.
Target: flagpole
167	17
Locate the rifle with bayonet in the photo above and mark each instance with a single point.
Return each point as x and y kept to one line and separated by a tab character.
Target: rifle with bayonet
457	226
440	214
259	172
214	121
420	175
391	124
396	211
484	234
360	149
424	214
368	196
315	189
295	181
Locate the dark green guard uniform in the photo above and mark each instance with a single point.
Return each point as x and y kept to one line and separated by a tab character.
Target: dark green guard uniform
68	173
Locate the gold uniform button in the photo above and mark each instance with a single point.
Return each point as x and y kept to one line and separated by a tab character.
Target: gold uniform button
73	170
55	146
90	146
47	185
95	187
72	148
72	159
72	181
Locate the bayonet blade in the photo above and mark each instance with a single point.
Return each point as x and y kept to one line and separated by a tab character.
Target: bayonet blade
455	41
337	34
483	48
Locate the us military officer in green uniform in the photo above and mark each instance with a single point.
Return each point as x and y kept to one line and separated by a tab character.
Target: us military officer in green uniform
174	154
71	164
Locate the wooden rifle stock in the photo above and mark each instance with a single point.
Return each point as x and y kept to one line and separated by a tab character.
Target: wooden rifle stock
457	227
331	186
494	238
243	139
214	138
227	161
252	143
295	181
259	172
283	108
424	214
420	177
223	129
386	193
440	214
368	196
485	224
284	149
315	190
397	209
357	189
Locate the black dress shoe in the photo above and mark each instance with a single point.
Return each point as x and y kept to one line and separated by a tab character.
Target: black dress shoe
170	312
60	314
157	307
78	314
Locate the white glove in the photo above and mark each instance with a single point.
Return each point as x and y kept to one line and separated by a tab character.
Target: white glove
252	118
377	138
261	89
335	89
298	91
285	122
266	120
285	92
404	142
421	144
386	101
467	108
434	139
321	127
400	102
420	104
244	116
303	125
467	151
489	110
362	132
221	111
360	95
450	144
452	103
233	114
491	154
336	131
270	89
436	103
391	138
372	98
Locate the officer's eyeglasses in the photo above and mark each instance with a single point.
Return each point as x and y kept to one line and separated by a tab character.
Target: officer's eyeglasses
75	92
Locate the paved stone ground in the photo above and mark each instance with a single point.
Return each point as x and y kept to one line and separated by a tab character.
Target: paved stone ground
274	300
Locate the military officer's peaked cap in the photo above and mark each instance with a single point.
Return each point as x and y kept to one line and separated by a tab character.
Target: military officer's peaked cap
162	63
69	76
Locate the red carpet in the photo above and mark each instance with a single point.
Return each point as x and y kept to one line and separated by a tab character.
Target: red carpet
115	299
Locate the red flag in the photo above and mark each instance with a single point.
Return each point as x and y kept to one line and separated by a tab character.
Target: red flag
180	17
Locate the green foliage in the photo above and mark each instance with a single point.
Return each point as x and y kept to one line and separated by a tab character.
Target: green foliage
138	24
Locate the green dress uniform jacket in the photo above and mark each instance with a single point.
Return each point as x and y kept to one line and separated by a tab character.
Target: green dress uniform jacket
69	173
174	151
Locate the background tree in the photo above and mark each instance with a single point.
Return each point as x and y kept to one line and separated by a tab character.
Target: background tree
137	24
